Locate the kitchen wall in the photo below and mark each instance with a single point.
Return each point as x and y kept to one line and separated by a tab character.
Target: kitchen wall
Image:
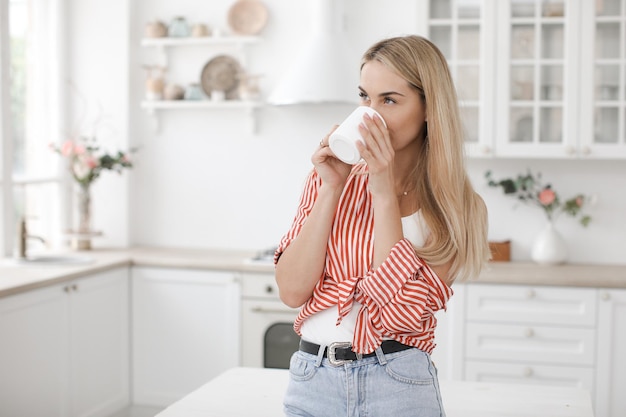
204	179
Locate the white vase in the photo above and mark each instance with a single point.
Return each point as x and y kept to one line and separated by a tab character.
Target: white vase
549	247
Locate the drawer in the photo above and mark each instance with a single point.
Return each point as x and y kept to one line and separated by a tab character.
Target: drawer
530	373
527	304
259	286
540	344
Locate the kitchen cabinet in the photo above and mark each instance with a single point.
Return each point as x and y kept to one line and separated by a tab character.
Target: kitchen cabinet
534	335
185	330
464	31
603	78
536	79
611	378
449	335
65	348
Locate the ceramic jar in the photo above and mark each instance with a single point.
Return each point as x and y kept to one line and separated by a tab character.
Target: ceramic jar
249	88
200	30
155	29
155	83
179	28
194	92
173	92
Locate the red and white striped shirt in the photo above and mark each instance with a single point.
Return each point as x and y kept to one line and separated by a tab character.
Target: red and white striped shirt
399	298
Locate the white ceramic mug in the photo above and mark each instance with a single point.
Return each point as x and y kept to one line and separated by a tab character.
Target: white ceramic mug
343	140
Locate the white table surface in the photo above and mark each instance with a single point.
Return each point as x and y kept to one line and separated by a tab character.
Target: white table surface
253	392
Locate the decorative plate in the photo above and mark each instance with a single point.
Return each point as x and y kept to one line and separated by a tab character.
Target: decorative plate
221	74
247	17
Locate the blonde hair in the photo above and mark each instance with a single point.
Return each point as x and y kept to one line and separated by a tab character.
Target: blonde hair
454	212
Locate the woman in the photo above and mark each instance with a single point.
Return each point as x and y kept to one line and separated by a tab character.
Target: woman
375	247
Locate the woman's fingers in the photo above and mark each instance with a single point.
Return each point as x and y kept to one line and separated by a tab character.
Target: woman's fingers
377	148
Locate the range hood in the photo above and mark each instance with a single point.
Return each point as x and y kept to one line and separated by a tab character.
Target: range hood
326	71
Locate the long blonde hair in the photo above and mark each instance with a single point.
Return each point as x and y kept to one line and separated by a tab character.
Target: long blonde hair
454	212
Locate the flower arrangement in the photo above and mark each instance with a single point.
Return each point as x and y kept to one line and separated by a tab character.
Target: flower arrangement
86	161
530	189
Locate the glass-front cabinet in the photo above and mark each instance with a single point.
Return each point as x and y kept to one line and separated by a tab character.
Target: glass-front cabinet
463	30
537	78
603	69
537	93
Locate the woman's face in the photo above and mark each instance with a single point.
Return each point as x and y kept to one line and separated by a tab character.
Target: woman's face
399	104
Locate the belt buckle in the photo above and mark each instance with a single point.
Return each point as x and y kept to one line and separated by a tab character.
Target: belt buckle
332	353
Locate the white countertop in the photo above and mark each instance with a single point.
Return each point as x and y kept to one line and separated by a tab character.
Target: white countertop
15	279
255	392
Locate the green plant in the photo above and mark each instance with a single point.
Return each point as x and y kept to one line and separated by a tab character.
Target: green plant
529	189
86	161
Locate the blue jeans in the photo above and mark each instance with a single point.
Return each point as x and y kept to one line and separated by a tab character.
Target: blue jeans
401	384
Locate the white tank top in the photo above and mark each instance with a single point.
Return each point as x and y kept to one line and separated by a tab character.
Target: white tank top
321	328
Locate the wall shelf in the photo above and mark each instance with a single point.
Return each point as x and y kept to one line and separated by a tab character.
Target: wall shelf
206	40
152	106
236	42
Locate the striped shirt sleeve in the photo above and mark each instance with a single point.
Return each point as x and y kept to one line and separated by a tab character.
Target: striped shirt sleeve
307	199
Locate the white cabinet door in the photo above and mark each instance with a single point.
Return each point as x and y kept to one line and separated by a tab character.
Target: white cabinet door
464	32
64	349
537	49
530	373
99	344
532	343
449	353
34	334
611	368
185	331
532	305
603	92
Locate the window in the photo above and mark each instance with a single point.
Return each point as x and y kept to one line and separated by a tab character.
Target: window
29	121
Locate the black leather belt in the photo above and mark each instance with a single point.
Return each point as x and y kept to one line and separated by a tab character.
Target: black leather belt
339	353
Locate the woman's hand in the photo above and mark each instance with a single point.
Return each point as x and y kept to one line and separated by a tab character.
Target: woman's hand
379	155
331	170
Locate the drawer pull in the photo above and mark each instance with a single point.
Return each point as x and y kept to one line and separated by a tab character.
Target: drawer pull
269	310
528	372
531	294
529	332
606	296
269	289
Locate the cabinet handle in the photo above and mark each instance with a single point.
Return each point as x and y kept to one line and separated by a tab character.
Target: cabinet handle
531	294
69	288
528	372
606	296
265	310
529	332
269	289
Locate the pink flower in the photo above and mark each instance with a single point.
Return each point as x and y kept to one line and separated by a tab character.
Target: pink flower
91	162
547	196
67	148
79	149
579	201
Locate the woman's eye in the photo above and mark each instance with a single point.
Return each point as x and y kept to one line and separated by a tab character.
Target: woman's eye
389	100
363	96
